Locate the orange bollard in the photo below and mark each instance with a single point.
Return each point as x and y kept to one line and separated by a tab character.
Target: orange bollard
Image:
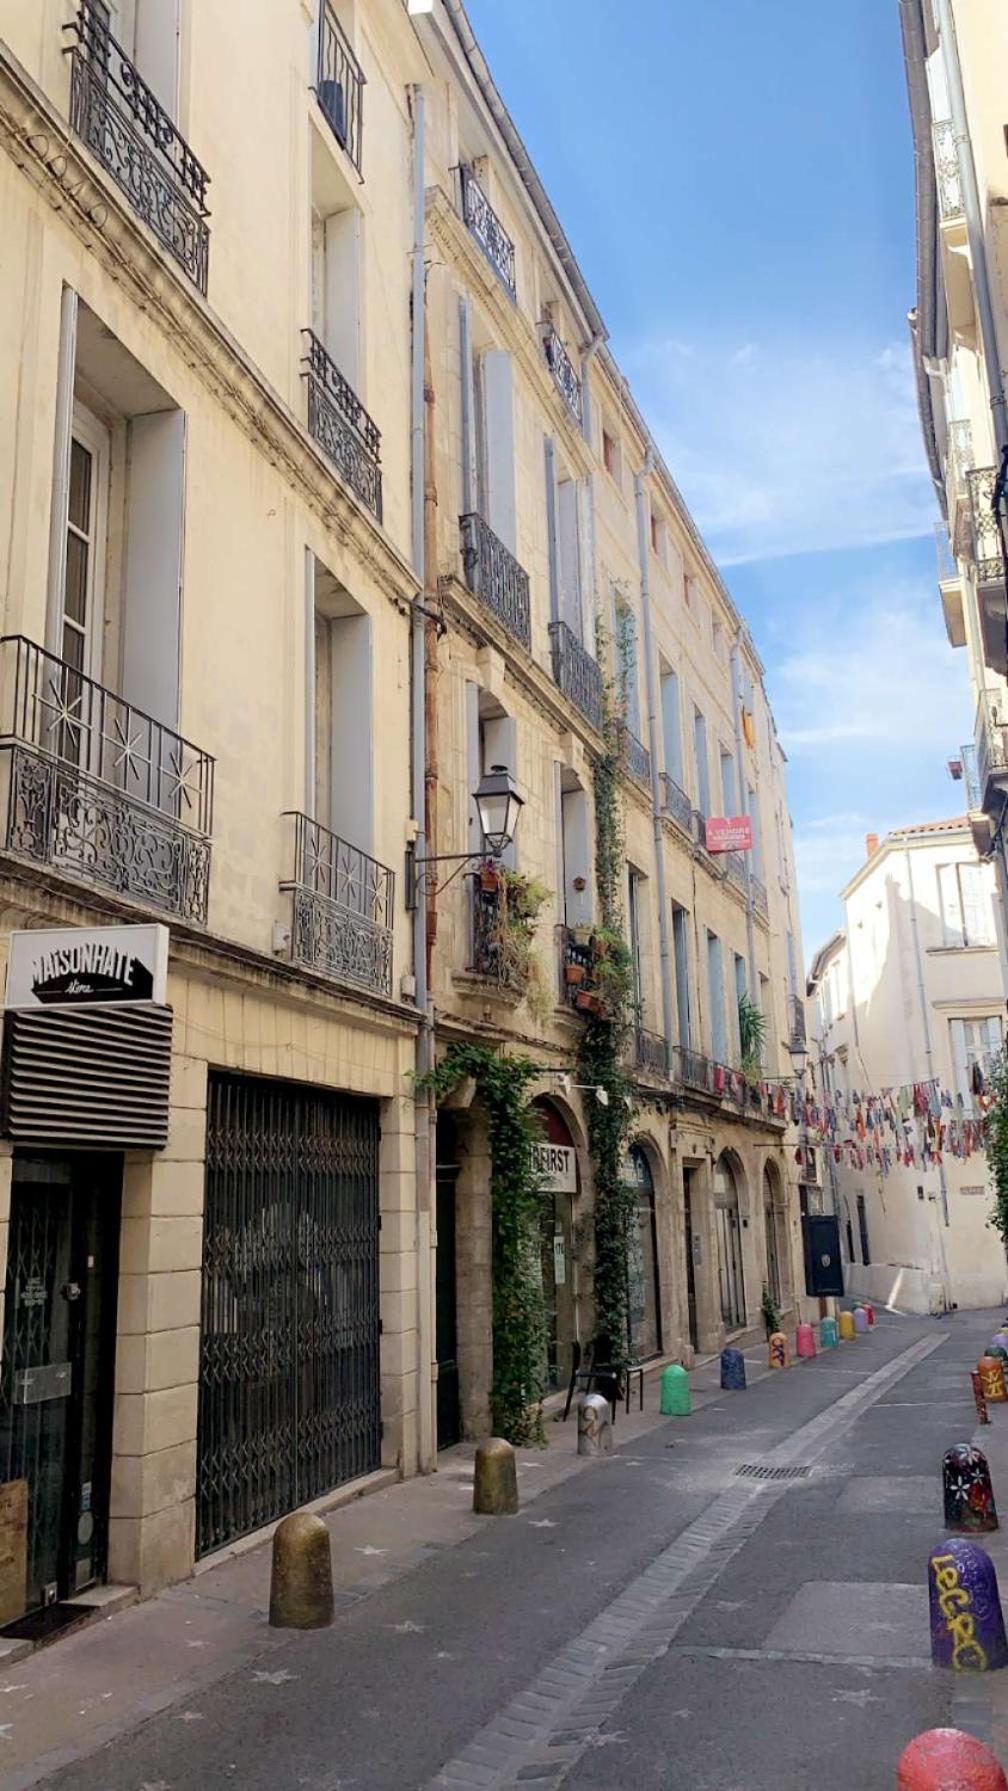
992	1379
948	1760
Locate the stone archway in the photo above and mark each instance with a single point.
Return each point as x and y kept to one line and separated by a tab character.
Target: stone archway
729	1184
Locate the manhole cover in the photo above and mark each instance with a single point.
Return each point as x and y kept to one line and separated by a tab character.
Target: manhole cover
754	1470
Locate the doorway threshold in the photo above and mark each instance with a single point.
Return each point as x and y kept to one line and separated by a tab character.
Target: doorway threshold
38	1628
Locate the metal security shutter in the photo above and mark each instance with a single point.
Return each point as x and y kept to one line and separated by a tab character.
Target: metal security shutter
88	1077
289	1370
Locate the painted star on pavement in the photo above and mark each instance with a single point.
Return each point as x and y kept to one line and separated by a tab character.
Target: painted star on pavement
541	1523
408	1628
5	1730
860	1698
190	1716
155	1785
280	1678
369	1549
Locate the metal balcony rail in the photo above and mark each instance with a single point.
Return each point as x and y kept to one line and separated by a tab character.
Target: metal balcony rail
649	1052
676	803
98	788
339	86
565	376
736	871
126	128
796	1014
991	736
635	758
575	952
700	830
486	228
495	577
971	775
947	177
987	550
342	908
759	896
576	673
692	1069
339	423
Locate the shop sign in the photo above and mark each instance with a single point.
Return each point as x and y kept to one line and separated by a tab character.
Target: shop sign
728	833
635	1170
555	1167
79	966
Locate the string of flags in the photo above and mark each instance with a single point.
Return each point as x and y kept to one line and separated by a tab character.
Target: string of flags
914	1126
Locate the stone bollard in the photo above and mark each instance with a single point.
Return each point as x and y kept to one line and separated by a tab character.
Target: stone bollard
827	1333
846	1329
805	1342
983	1415
495	1482
967	1628
778	1351
861	1322
674	1399
969	1496
732	1371
594	1425
947	1757
992	1379
301	1588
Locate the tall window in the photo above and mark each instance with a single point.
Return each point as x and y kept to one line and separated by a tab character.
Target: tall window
741	992
728	783
671	729
715	988
680	946
757	837
974	1042
701	763
966	905
86	527
637	918
626	667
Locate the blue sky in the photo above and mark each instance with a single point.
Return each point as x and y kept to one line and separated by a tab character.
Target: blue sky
737	184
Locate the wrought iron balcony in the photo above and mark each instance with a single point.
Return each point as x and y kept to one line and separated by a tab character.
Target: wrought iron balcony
339	85
576	673
987	550
991	742
495	577
565	376
575	954
339	423
947	176
634	756
485	226
99	789
677	803
126	128
342	909
692	1069
759	896
736	871
649	1053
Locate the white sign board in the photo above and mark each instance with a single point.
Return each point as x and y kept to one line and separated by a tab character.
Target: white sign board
555	1166
79	966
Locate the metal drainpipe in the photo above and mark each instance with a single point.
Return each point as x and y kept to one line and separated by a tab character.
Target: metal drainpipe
736	678
656	814
929	1059
425	1129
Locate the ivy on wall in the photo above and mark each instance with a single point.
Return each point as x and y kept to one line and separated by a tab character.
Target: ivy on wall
997	1144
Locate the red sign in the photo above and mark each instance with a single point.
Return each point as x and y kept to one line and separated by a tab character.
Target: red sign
728	833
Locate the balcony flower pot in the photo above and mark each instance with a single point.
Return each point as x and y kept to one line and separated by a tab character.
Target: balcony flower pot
587	1002
574	974
489	878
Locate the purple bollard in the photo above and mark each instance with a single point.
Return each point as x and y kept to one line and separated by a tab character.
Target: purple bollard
967	1627
860	1321
969	1496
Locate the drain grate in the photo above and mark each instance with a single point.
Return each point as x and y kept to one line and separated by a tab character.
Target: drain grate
754	1470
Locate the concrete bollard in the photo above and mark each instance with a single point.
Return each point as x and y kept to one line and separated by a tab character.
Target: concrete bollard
732	1371
969	1496
845	1325
861	1322
301	1588
495	1482
967	1627
778	1351
983	1415
674	1401
943	1758
827	1333
992	1379
594	1425
805	1342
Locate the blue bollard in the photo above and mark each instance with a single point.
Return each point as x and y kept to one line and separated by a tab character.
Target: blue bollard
732	1371
827	1333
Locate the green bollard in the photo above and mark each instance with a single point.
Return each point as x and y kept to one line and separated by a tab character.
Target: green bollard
675	1395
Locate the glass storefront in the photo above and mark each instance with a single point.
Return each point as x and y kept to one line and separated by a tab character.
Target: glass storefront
644	1305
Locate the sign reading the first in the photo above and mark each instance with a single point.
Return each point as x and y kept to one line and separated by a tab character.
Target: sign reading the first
79	966
728	833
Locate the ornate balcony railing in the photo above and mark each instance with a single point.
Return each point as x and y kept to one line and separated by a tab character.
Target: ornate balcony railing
736	872
635	758
991	737
565	375
97	788
485	226
342	908
576	673
986	535
495	577
759	896
126	128
575	952
677	803
339	85
649	1052
947	176
692	1069
339	423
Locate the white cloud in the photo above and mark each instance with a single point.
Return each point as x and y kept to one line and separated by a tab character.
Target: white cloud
788	448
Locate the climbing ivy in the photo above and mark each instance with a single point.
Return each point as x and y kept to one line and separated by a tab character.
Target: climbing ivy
997	1144
516	1208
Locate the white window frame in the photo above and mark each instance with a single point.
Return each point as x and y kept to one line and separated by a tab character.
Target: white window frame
95	438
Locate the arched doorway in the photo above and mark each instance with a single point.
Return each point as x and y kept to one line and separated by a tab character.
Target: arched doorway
729	1240
558	1176
775	1280
643	1302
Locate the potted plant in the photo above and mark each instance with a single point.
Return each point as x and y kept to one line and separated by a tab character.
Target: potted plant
588	1002
489	876
574	974
771	1311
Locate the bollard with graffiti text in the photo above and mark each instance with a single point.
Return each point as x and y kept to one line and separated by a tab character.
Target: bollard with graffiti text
732	1371
967	1627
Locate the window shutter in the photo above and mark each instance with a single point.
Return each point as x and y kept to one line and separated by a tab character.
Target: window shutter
976	906
951	912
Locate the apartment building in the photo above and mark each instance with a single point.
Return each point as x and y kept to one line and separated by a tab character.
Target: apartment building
906	1011
319	490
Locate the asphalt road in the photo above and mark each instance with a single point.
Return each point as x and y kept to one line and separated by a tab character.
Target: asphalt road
661	1621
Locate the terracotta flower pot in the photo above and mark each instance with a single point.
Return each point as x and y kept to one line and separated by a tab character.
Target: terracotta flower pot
574	974
587	1001
489	878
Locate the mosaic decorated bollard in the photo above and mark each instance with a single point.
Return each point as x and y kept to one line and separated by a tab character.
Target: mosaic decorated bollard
861	1322
805	1342
992	1379
969	1496
827	1333
594	1425
846	1327
979	1401
778	1351
732	1371
967	1628
947	1757
674	1392
495	1481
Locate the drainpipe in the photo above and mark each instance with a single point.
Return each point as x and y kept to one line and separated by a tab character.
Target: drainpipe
736	677
929	1060
418	767
656	813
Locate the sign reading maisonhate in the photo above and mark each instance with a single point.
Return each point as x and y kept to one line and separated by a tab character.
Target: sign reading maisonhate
79	966
728	833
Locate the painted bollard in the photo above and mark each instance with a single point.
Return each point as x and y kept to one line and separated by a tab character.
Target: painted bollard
992	1379
979	1401
861	1322
967	1627
495	1481
301	1587
1001	1337
674	1399
827	1333
969	1496
998	1353
594	1425
943	1758
846	1327
732	1371
805	1342
778	1350
869	1308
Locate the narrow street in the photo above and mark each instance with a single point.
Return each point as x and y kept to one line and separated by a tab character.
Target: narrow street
660	1619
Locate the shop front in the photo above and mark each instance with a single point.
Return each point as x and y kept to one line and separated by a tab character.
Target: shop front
557	1167
644	1303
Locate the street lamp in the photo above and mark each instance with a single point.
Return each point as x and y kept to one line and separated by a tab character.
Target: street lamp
797	1050
498	806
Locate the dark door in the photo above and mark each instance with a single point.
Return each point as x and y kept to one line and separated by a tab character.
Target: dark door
58	1365
449	1427
691	1260
823	1267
